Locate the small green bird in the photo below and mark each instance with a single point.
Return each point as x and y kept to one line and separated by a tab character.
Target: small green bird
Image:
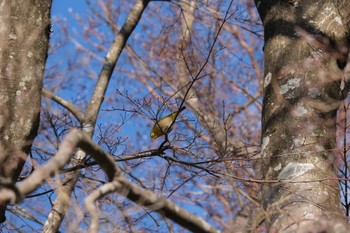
161	127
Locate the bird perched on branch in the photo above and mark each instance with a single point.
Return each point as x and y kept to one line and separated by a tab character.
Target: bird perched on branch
161	127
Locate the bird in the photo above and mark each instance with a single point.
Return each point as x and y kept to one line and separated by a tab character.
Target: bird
161	127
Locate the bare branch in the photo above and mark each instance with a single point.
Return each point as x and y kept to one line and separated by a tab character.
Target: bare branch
111	60
119	184
64	103
90	204
56	216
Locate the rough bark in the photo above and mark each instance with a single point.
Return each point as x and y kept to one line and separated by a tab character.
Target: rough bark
24	37
306	52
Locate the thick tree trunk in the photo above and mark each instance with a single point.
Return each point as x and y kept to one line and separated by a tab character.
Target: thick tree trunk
306	51
24	37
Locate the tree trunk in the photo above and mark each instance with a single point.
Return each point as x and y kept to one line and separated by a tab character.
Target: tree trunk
24	38
306	78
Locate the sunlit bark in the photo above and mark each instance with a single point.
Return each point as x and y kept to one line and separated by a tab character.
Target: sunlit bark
24	39
306	51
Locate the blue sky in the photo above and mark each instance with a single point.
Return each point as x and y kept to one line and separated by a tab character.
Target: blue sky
78	82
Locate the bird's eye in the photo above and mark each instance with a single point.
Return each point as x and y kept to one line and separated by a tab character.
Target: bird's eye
152	134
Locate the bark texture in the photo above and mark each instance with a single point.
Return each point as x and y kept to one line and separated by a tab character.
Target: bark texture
24	37
306	55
